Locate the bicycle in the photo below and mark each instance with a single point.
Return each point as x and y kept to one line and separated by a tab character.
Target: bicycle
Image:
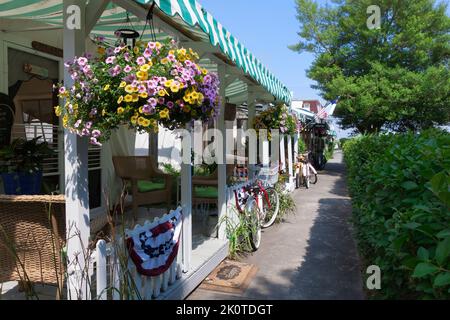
262	204
306	174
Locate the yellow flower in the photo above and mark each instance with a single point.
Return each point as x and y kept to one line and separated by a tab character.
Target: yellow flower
158	45
103	112
168	83
134	119
135	97
164	61
101	50
136	49
163	114
201	97
204	71
142	75
175	88
194	95
129	88
123	84
65	120
172	52
144	68
161	93
120	110
119	101
146	123
141	121
106	88
154	123
144	95
181	51
128	98
58	111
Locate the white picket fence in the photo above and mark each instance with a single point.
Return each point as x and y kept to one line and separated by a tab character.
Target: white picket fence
108	278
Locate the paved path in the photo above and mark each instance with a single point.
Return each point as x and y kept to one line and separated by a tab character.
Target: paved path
311	255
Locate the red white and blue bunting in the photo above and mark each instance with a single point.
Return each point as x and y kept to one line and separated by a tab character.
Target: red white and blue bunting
154	246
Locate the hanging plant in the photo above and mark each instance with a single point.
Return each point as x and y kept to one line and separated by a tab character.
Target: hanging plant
277	117
153	83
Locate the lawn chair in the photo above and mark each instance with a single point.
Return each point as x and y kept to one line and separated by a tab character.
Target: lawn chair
146	183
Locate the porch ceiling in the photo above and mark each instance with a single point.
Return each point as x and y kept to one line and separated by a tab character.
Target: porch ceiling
186	16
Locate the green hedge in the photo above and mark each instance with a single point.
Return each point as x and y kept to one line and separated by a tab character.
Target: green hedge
400	188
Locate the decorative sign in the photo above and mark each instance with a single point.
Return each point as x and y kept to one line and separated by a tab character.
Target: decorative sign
6	122
32	69
153	247
39	46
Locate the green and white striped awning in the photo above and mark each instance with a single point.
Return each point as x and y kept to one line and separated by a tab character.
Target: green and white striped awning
186	12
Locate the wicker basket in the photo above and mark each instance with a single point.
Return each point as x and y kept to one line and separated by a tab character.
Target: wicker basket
32	230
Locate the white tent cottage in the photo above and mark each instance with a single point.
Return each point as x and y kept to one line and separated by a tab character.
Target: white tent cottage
34	32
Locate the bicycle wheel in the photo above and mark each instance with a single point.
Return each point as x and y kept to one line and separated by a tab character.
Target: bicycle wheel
254	223
271	206
306	181
313	178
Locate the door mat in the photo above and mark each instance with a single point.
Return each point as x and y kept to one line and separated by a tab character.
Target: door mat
230	277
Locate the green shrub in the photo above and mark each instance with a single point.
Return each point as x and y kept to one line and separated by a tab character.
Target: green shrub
401	201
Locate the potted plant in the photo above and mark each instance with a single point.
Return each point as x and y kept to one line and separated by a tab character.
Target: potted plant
21	165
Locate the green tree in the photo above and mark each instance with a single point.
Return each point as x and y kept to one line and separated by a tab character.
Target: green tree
394	77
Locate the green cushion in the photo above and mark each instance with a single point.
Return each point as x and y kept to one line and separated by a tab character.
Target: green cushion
147	186
206	192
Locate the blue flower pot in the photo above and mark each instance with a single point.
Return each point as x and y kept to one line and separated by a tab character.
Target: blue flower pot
20	183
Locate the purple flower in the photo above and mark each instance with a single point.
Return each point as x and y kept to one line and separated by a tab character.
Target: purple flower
188	63
117	50
62	90
82	61
74	76
67	64
161	100
85	132
127	69
171	58
140	61
152	45
170	104
147	53
148	109
94	141
88	55
88	125
111	60
153	102
115	71
96	133
93	112
109	51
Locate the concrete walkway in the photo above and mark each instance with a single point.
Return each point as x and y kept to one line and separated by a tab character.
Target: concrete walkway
311	255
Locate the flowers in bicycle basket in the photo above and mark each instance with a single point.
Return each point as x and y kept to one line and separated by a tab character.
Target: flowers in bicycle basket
156	83
277	117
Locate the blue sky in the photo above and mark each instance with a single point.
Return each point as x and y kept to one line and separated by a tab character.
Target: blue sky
266	28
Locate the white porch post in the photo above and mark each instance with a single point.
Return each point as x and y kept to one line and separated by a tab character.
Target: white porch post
296	138
282	154
251	105
222	167
290	152
76	168
186	199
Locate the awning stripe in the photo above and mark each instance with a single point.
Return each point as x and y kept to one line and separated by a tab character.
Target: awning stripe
190	12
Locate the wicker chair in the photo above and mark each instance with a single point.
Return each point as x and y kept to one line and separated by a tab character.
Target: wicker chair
32	230
134	172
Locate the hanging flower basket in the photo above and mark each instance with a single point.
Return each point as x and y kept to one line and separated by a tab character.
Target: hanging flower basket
155	83
277	117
